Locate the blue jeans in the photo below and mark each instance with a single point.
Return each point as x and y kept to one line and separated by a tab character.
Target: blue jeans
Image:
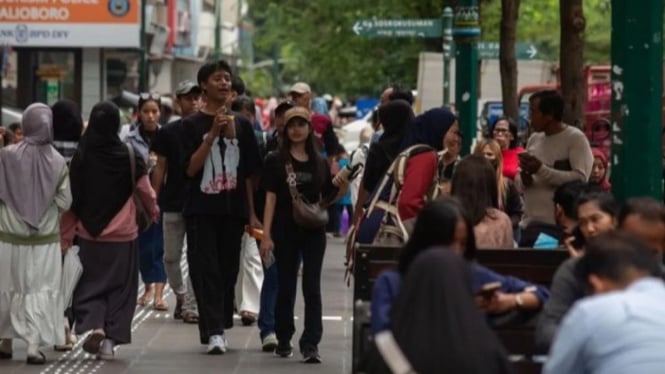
151	248
266	321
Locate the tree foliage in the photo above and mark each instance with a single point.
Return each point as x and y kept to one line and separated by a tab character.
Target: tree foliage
316	37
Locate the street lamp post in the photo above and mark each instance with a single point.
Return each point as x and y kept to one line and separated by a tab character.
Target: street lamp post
466	31
143	51
637	91
218	29
447	52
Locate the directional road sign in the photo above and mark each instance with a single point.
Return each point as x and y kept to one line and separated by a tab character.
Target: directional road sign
490	51
394	28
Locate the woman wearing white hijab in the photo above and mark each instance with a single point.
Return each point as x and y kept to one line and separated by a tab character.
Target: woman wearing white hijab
34	190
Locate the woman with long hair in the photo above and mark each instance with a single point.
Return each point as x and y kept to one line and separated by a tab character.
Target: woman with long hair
103	216
34	190
510	201
445	223
151	242
297	161
436	325
504	131
475	185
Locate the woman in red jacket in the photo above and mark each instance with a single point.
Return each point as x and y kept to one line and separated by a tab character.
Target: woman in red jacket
504	131
439	129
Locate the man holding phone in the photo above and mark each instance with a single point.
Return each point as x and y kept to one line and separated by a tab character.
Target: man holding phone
556	153
221	158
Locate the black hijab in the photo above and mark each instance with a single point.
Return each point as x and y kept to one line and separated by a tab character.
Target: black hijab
396	117
67	121
100	171
436	323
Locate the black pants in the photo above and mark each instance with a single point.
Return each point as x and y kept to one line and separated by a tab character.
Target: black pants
105	296
213	254
290	245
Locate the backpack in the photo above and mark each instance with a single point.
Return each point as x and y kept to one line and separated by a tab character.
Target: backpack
392	229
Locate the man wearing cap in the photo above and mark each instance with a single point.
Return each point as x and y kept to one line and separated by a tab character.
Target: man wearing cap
170	191
301	95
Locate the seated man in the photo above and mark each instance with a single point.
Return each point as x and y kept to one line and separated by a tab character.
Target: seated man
565	216
642	217
621	329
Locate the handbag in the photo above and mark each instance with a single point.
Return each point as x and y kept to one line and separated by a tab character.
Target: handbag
143	219
305	214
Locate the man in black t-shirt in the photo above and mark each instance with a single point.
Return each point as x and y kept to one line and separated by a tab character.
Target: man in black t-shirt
221	159
168	180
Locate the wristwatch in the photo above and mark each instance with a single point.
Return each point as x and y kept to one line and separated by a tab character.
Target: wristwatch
518	301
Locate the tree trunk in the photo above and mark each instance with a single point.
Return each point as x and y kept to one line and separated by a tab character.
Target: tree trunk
507	57
573	83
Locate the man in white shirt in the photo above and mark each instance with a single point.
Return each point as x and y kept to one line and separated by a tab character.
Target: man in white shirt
621	329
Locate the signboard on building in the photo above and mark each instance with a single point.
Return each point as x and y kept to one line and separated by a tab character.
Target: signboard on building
70	23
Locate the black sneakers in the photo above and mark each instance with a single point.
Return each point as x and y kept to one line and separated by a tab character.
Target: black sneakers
284	350
310	355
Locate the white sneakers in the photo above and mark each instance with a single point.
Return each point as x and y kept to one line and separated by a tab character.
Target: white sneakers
217	345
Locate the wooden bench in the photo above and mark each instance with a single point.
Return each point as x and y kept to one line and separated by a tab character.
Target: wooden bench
536	266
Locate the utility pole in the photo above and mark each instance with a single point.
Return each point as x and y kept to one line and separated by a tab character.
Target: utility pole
447	52
218	30
143	58
466	32
637	91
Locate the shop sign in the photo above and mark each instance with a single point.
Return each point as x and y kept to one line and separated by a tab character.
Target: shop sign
70	23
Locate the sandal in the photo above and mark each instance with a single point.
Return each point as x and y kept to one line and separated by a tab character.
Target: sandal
189	316
36	360
160	305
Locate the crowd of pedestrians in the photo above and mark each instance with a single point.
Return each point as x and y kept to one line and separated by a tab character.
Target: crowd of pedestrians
251	209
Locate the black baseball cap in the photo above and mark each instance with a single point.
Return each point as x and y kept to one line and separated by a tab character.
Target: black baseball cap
283	107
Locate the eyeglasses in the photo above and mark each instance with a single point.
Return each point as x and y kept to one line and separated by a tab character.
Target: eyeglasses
500	131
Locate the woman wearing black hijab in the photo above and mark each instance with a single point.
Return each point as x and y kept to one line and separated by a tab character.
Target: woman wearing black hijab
396	117
67	127
103	217
436	323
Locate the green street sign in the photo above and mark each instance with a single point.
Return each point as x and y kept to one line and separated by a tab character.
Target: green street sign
399	28
490	51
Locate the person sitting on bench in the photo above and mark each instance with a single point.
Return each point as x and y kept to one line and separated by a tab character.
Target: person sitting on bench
437	328
444	223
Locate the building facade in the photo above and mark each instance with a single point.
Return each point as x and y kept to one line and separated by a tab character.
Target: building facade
90	50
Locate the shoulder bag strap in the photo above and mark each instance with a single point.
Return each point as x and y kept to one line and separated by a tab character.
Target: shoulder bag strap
132	165
291	180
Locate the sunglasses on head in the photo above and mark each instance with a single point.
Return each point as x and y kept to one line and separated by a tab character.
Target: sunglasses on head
149	96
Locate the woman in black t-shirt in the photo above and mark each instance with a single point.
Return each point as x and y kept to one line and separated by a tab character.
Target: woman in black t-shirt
292	242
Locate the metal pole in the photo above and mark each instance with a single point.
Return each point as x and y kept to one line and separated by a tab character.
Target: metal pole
218	29
447	52
466	32
637	91
143	61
